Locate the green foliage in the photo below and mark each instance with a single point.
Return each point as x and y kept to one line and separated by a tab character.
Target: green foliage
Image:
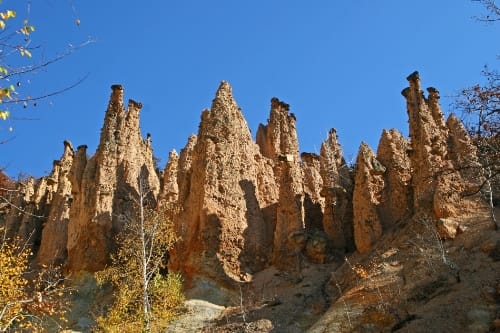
125	275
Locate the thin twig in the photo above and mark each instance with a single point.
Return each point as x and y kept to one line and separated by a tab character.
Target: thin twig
22	210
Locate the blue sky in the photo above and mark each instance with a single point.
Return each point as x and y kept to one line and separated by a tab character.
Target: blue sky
339	64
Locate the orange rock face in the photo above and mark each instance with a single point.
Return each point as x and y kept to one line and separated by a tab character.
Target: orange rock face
396	201
104	187
368	188
226	188
337	191
244	204
55	232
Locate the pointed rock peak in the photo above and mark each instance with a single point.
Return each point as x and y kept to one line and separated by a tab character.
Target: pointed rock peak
279	136
224	120
459	138
68	145
205	115
132	118
332	138
191	140
223	103
170	187
392	145
224	89
276	104
223	96
116	94
331	150
414	79
280	109
453	121
365	148
391	135
386	135
68	149
173	155
366	157
188	148
134	104
433	93
415	86
82	148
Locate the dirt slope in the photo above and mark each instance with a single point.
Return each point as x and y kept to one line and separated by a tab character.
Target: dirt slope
411	282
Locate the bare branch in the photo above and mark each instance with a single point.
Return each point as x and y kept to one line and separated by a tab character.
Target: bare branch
21	210
57	92
493	11
43	64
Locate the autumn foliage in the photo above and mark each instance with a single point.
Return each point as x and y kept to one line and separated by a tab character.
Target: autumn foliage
29	298
146	298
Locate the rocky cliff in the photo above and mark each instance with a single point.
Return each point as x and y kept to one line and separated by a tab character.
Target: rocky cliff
247	204
226	190
72	216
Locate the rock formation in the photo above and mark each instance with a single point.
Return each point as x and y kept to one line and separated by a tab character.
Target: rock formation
278	141
55	231
337	191
438	152
224	232
170	186
106	188
463	154
290	215
314	203
184	168
29	210
279	136
435	184
243	204
368	187
396	201
427	142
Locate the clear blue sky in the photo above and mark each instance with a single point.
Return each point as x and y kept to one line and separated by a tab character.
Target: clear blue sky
339	64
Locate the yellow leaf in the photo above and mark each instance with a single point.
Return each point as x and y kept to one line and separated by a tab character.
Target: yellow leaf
2	24
8	14
4	115
6	93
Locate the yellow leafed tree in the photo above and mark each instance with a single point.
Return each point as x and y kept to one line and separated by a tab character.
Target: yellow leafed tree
146	298
13	265
29	298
